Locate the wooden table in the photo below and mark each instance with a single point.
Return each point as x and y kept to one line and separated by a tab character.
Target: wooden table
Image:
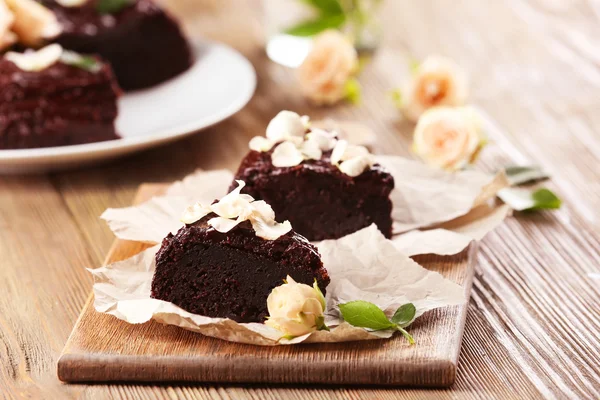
534	316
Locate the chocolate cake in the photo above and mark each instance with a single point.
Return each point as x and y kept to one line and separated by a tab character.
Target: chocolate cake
230	275
58	106
143	43
319	200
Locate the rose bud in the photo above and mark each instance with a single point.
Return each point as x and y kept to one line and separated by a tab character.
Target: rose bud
437	81
33	22
296	309
448	138
327	71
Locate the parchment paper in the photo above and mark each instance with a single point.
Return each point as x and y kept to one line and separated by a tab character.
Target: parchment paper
424	198
362	266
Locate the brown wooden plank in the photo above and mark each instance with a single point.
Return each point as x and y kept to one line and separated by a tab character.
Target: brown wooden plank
102	348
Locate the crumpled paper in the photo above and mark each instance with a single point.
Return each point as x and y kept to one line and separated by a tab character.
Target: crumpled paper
363	265
445	207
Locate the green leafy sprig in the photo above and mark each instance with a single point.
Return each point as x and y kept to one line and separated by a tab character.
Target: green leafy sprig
330	15
87	63
363	314
112	6
527	200
335	14
519	175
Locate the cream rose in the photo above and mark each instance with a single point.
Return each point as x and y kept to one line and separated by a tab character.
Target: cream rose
437	81
448	138
327	68
296	309
7	37
33	22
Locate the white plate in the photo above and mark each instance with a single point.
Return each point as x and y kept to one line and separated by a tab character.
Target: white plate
219	84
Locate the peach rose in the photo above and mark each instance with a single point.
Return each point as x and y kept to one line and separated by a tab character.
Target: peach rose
437	81
296	309
33	22
7	37
328	67
448	138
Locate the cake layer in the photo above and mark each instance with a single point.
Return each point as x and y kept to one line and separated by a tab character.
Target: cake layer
144	45
58	106
230	275
318	199
51	132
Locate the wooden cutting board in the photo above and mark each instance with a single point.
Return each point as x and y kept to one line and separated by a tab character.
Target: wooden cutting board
102	348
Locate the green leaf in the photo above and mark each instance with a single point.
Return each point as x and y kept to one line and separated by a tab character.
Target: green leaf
546	199
330	7
518	175
112	6
365	315
310	28
353	91
87	63
404	315
526	200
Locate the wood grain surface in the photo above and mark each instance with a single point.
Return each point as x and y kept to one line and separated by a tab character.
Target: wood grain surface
102	348
533	321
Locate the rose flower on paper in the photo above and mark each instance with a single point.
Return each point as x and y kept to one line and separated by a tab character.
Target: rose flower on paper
296	309
327	74
448	138
437	81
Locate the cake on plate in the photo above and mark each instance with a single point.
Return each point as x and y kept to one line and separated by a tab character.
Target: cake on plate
142	42
228	258
52	97
327	188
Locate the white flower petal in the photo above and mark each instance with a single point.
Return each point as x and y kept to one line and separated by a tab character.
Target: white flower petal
270	230
223	225
195	213
344	151
325	140
285	124
235	193
71	3
260	144
261	208
286	154
356	166
231	209
338	151
235	208
311	150
36	60
305	121
353	151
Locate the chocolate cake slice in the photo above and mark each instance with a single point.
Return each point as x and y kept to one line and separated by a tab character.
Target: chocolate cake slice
327	188
231	274
143	43
60	105
319	200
